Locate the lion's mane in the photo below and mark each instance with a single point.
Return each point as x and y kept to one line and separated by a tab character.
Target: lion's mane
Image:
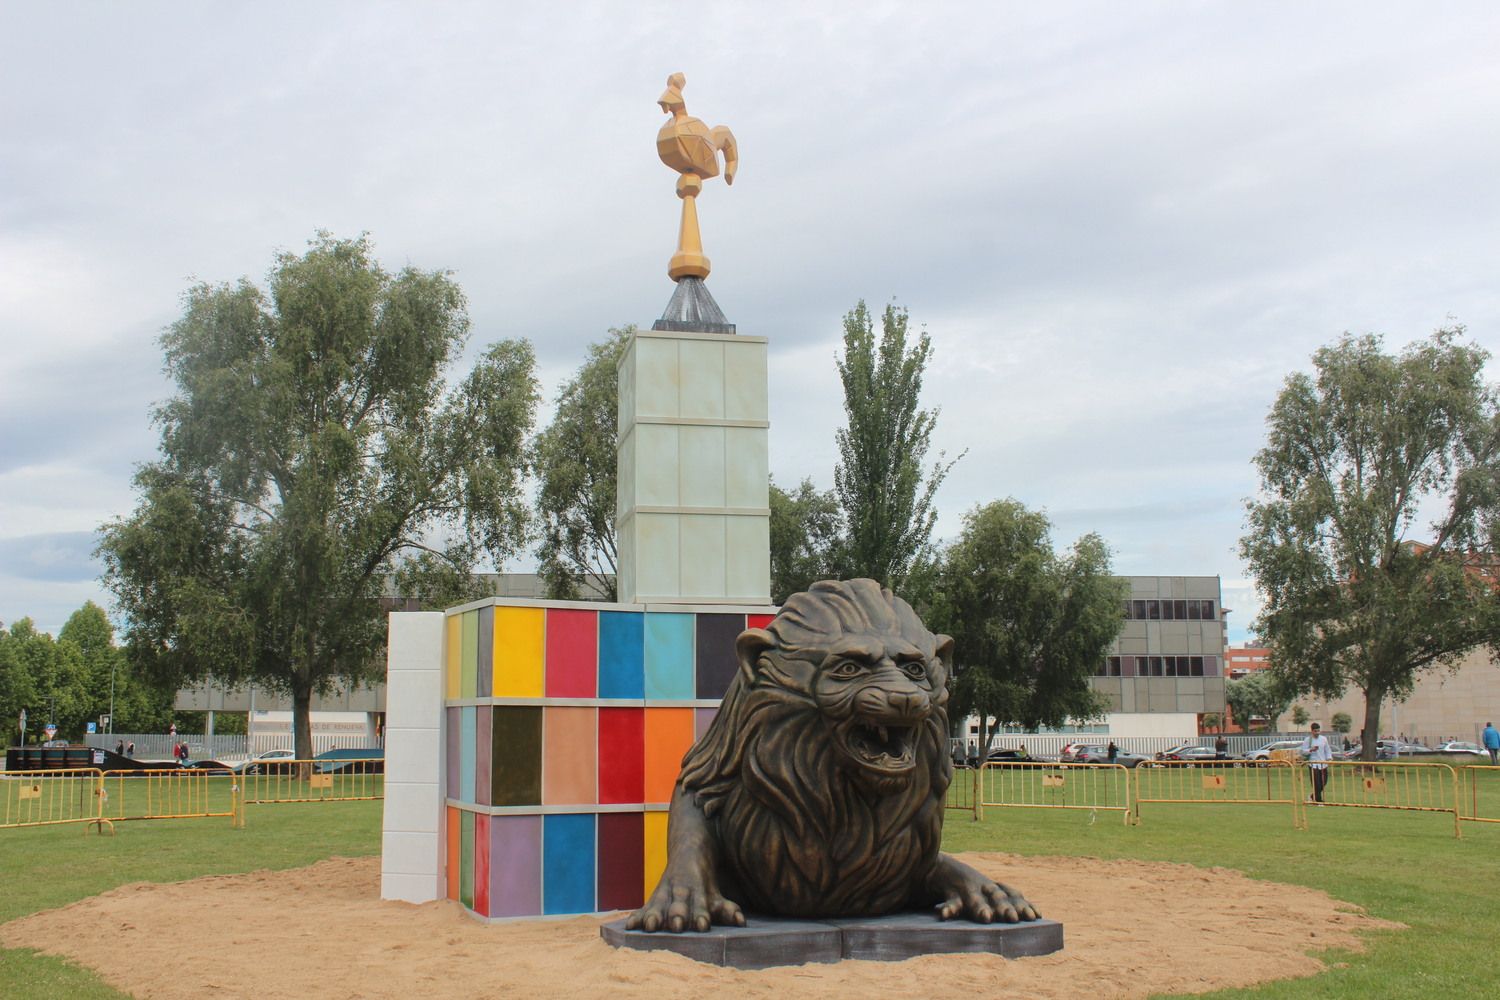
798	834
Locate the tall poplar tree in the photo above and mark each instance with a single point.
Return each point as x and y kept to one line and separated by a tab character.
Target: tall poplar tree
885	496
312	449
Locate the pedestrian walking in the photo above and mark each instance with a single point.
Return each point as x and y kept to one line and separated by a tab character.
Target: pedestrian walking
1318	753
1492	742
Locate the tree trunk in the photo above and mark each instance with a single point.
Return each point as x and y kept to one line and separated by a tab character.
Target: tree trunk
302	718
1369	736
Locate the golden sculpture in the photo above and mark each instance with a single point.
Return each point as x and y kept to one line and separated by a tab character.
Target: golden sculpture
692	149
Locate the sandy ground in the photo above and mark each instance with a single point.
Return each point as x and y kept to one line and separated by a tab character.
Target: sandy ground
1132	929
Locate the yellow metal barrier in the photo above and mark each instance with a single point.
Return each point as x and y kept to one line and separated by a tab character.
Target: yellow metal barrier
963	791
1479	793
49	798
337	780
182	793
1419	787
1045	785
1273	782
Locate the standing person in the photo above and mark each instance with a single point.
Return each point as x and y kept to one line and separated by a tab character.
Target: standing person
1221	747
1315	748
1114	751
130	749
1492	742
120	747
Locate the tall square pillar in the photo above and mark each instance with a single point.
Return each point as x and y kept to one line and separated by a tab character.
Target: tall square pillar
693	517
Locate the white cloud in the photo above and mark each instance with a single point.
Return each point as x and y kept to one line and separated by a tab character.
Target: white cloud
1122	226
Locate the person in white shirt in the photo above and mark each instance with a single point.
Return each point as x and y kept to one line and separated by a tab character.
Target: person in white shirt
1318	753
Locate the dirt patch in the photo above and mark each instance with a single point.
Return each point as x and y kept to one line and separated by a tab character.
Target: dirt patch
1132	928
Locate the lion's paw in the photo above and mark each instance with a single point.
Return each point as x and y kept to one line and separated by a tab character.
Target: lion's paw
685	905
964	892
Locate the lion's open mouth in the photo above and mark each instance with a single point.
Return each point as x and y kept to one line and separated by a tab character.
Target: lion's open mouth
883	746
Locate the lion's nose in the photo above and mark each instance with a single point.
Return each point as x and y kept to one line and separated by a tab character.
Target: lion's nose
909	703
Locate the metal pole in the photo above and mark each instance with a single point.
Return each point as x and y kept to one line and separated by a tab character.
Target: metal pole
113	667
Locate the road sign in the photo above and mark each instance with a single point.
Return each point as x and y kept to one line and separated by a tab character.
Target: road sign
90	728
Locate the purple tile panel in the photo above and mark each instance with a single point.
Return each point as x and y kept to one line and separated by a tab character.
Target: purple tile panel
453	730
515	866
483	759
702	719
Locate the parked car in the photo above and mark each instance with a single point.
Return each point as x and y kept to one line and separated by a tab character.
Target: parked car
1191	754
1263	753
1462	748
1007	755
267	762
1092	753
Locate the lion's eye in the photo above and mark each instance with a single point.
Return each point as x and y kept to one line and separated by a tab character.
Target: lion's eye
847	668
914	669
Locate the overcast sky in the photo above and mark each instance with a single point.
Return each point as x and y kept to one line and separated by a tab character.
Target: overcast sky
1123	225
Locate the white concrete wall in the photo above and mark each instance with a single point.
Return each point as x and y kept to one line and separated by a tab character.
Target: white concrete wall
411	860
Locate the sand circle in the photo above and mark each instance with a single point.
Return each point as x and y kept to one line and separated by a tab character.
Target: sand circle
1133	928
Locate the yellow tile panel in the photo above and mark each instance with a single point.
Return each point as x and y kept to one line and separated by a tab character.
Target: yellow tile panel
519	647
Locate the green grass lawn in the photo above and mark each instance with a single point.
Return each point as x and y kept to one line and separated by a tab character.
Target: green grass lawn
1403	866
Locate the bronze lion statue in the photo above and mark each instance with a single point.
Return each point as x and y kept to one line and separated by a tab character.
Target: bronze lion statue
818	790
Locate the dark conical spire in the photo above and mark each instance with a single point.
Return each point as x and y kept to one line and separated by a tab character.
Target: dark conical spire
693	310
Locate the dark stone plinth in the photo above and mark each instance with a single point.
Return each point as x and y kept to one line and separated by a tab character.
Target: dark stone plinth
693	310
769	941
765	942
906	935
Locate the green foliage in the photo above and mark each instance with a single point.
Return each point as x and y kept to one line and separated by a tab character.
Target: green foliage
1258	693
310	451
1213	721
1299	716
805	531
886	504
1341	722
1030	626
574	462
1356	453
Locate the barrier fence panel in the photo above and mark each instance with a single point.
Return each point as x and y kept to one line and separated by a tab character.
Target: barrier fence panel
46	798
1275	782
963	792
1046	785
1479	793
337	780
1393	785
167	794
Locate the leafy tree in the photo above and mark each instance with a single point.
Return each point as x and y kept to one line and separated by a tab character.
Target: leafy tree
1341	722
18	689
49	679
886	503
1030	626
1258	693
1299	716
805	531
310	448
1356	453
574	462
1213	721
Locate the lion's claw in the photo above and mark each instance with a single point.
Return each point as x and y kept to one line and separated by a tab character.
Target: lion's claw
685	904
967	893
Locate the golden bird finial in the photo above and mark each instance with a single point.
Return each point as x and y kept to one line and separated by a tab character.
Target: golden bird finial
692	149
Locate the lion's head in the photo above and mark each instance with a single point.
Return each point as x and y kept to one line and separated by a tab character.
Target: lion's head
825	768
878	677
